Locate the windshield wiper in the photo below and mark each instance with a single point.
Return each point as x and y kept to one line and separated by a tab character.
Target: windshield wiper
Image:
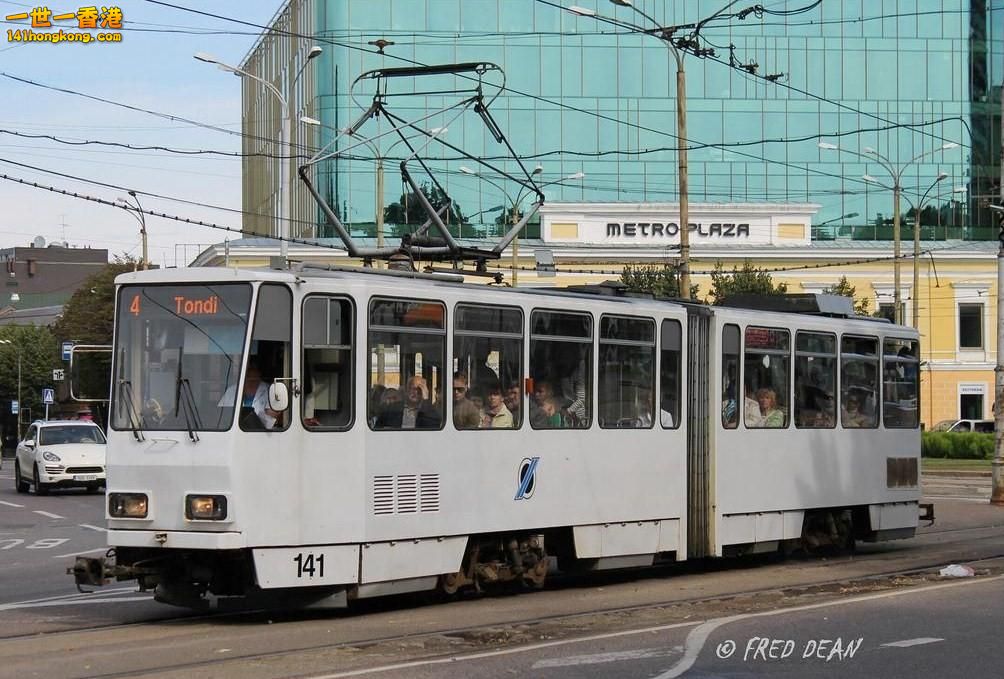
135	419
184	400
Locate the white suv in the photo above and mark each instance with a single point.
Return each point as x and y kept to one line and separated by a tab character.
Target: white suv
60	453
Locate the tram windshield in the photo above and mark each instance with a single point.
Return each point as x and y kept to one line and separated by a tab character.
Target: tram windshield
178	351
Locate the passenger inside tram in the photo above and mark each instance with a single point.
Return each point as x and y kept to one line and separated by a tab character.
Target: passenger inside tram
496	414
545	412
415	412
465	414
852	413
771	415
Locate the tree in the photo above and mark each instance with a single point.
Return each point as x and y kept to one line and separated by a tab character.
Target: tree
39	353
661	281
844	288
408	209
749	280
88	316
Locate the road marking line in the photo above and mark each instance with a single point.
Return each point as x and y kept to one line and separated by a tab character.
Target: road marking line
981	500
10	504
48	514
682	666
85	551
74	595
97	528
614	656
906	643
72	602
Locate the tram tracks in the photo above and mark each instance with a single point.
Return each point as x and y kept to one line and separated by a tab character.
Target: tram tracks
520	629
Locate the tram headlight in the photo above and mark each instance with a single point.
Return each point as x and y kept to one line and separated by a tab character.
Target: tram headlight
205	507
128	505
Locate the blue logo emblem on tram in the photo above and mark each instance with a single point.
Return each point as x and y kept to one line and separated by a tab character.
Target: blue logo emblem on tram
526	478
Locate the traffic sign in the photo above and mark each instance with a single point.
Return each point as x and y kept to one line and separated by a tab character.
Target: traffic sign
48	396
67	348
14	407
58	374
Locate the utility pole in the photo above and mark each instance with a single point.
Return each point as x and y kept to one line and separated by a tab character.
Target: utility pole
997	473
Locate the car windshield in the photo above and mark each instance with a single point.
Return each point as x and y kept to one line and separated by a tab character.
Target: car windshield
70	433
944	425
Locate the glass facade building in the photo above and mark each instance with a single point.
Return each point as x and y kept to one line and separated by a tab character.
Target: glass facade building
901	77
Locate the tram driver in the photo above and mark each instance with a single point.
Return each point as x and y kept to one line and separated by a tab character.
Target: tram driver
255	415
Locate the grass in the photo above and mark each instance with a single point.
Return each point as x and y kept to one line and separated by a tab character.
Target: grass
940	464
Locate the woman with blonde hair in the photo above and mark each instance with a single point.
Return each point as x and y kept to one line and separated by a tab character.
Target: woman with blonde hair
772	416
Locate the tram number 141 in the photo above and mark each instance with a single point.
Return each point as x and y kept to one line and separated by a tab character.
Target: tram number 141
308	565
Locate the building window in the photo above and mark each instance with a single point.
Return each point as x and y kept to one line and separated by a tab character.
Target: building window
970	326
970	407
887	311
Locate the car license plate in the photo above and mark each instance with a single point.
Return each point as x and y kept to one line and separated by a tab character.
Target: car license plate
85	477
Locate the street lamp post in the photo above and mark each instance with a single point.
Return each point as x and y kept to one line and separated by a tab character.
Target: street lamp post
916	249
137	212
19	403
514	214
666	36
285	211
897	189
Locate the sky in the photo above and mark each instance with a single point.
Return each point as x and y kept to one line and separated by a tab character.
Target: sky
153	68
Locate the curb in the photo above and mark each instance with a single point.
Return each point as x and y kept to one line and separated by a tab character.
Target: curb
957	474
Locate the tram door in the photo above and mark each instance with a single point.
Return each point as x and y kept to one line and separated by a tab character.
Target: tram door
699	421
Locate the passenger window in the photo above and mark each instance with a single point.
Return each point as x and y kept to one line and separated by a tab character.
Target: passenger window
815	380
765	393
730	376
626	372
407	348
268	360
327	363
859	382
670	374
561	362
900	384
487	367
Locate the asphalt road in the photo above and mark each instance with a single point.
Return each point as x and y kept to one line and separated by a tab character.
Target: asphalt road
943	630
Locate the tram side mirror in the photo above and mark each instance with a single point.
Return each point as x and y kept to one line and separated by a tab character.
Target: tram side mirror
278	397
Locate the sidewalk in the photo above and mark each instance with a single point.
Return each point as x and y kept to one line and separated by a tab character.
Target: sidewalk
957	473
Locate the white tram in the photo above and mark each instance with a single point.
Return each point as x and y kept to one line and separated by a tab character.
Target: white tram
308	438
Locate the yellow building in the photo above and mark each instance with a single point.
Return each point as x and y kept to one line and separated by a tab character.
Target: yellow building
955	296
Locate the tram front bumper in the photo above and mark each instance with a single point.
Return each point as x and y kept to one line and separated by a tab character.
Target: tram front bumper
176	539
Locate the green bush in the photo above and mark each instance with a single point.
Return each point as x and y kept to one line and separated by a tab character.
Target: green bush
957	446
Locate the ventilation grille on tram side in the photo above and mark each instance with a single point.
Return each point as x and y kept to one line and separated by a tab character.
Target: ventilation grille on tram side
406	494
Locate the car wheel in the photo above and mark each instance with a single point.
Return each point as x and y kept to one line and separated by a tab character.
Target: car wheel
40	488
19	483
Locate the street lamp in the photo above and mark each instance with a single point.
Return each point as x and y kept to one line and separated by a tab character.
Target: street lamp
19	404
666	36
515	205
285	212
897	189
137	212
